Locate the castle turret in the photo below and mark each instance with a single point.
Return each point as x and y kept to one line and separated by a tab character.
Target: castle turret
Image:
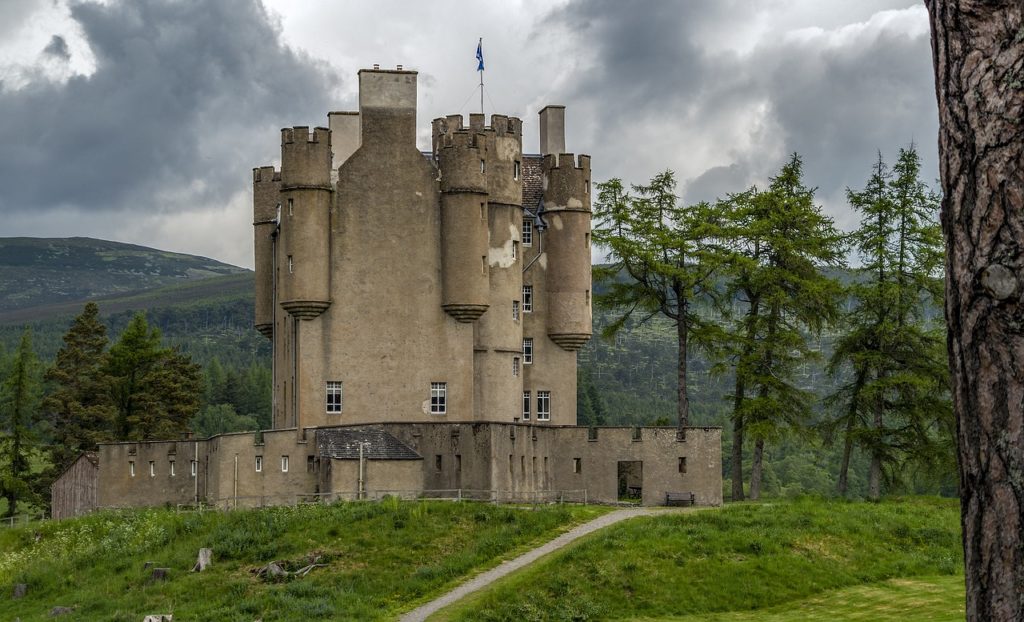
305	221
266	202
461	158
567	212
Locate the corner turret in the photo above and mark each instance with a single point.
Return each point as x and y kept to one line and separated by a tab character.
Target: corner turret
266	203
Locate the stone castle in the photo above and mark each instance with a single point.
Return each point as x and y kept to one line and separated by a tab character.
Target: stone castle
425	311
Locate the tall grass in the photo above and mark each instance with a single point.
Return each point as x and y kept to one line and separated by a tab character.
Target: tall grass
379	557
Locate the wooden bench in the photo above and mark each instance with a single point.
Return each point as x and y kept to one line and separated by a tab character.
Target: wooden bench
679	498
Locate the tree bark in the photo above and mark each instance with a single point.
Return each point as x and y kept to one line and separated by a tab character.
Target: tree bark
979	62
844	466
737	442
755	470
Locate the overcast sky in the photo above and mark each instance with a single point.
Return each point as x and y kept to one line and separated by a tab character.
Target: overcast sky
141	120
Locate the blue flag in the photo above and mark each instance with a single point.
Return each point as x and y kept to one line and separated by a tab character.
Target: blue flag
480	55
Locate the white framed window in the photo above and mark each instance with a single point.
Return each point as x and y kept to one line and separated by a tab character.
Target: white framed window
259	464
131	468
152	468
527	232
194	467
438	398
483	167
291	265
543	405
333	396
172	468
527	350
527	298
516	169
515	365
284	464
515	249
526	405
515	310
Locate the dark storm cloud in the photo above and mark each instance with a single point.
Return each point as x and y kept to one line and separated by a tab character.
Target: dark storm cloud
58	48
184	99
834	98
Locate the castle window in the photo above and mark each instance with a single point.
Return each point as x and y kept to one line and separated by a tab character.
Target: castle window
438	398
437	462
588	296
483	265
527	298
483	212
577	465
194	468
526	405
152	469
682	465
458	462
333	397
516	169
291	265
528	351
259	464
510	465
172	468
515	310
131	468
284	464
527	232
515	365
310	464
586	240
543	405
515	249
291	207
483	168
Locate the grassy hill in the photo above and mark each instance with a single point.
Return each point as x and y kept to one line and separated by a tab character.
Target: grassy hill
776	561
37	272
379	559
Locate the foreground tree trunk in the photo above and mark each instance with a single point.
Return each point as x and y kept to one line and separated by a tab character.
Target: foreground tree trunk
755	470
979	60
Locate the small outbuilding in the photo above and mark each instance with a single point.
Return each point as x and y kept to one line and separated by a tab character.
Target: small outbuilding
73	493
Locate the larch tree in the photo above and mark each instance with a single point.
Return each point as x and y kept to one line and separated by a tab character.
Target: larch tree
19	420
979	63
78	404
783	244
672	256
894	402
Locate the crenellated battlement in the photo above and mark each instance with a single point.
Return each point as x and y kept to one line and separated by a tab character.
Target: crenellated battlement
301	133
501	125
552	161
265	174
462	139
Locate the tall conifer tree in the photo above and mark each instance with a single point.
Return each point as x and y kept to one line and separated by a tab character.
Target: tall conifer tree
19	420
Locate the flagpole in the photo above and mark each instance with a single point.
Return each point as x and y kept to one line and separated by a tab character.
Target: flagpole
481	47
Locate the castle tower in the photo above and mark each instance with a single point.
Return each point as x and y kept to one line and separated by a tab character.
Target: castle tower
461	158
266	192
567	208
305	221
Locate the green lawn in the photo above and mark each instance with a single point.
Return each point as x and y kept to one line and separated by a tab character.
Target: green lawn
381	558
919	599
751	561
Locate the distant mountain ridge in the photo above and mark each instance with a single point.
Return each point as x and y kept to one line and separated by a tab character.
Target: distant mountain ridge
41	272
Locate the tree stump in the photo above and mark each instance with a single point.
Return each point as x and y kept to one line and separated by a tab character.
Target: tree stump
59	611
19	590
203	560
160	574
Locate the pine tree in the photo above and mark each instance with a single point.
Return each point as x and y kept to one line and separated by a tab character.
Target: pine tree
78	404
783	243
155	390
19	419
672	256
895	406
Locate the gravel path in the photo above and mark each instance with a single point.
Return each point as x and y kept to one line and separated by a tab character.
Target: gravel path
484	579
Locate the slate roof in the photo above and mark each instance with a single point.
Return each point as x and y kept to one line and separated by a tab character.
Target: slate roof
343	444
533	181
